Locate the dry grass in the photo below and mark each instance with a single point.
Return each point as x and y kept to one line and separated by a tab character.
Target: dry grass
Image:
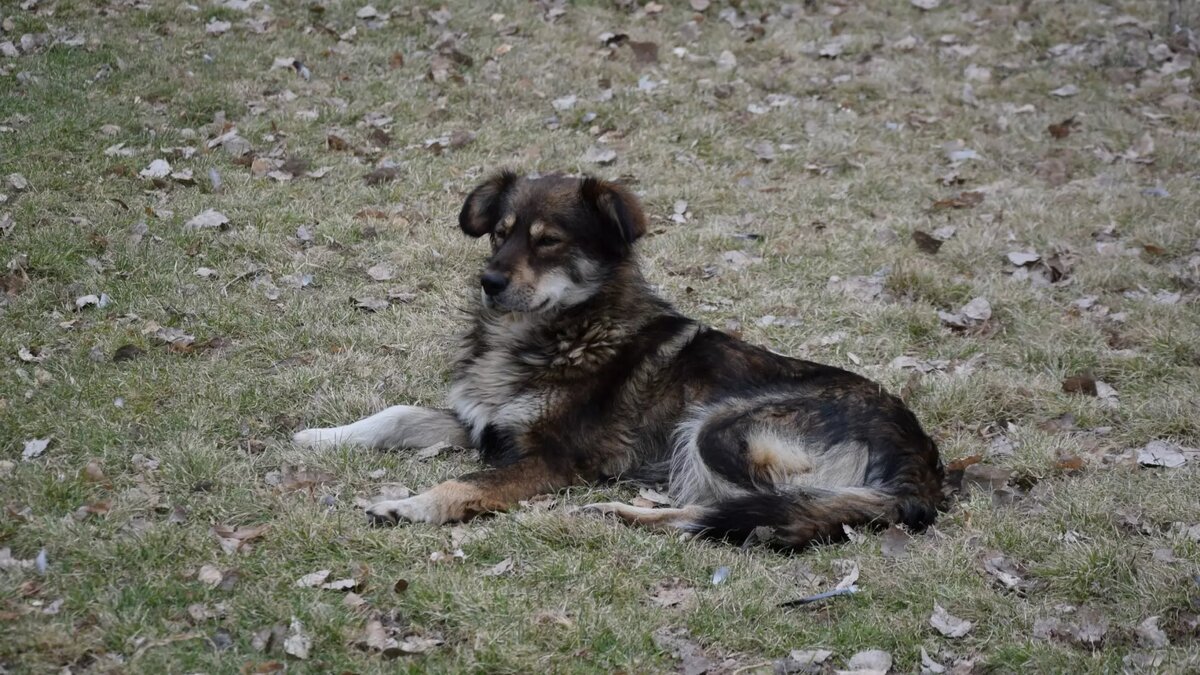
858	157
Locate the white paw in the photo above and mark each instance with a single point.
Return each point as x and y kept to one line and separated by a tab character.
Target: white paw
316	438
419	509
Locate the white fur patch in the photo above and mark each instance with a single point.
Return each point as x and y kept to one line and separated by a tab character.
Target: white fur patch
691	481
400	426
419	509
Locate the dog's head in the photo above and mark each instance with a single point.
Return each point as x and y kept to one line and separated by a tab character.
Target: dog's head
555	239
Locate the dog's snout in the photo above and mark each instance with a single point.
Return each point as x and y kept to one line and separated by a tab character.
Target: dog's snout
493	283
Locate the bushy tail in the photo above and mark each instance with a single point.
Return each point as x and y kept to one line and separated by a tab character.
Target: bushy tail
801	516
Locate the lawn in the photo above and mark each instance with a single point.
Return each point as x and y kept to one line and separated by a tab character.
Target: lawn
225	221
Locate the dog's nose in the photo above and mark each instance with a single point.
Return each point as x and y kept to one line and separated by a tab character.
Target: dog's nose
493	283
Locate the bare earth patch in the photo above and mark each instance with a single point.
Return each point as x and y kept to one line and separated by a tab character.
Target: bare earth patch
226	220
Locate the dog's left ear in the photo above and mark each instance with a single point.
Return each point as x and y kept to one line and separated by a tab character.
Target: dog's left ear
485	204
616	204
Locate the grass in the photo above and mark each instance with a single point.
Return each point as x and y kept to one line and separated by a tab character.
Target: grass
859	155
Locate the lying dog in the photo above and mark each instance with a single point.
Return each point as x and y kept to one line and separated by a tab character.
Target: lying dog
575	372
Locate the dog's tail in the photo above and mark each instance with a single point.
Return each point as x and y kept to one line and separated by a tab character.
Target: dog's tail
804	515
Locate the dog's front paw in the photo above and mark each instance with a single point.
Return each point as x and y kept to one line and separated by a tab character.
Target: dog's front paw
419	509
317	439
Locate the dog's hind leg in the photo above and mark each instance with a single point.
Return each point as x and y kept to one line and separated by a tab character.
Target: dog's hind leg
684	518
400	426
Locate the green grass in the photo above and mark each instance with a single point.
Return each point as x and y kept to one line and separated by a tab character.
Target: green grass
217	421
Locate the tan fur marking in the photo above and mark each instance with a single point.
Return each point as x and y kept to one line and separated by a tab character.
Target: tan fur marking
504	227
774	459
536	230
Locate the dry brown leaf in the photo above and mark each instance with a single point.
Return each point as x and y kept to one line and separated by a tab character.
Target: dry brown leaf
297	643
673	592
312	579
237	539
503	567
963	200
894	542
926	242
209	576
947	624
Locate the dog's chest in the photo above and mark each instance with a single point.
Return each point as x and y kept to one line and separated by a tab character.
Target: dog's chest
493	390
518	374
493	385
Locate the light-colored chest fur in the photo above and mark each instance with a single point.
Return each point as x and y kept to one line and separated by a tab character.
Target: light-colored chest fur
487	388
519	376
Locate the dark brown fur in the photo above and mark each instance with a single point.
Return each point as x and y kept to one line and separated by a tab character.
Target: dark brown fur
575	372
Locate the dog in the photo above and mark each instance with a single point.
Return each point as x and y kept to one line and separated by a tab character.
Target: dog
575	372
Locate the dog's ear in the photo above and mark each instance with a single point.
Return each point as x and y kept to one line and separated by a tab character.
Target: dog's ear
483	207
616	204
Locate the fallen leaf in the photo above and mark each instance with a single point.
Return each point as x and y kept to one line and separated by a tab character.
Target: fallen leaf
216	26
764	151
348	584
673	592
418	644
370	303
381	272
503	567
978	309
948	624
693	660
894	542
1082	383
34	448
1022	258
928	665
92	300
93	472
1004	570
313	579
292	479
963	200
806	658
383	174
644	53
1150	635
975	312
926	242
1162	454
871	660
598	155
986	477
1062	129
298	643
209	576
1065	91
207	219
235	540
157	170
926	5
1090	626
850	572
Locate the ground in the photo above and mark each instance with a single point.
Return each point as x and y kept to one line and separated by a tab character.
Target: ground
824	178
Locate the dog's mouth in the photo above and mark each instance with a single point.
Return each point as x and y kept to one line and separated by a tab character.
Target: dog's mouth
496	304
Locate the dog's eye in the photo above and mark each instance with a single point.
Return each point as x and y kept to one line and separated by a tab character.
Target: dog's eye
547	241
